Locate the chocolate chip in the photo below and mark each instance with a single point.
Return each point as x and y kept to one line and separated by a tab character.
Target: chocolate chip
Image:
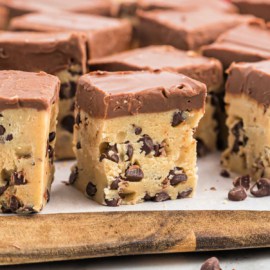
67	90
47	196
158	150
129	152
5	209
2	130
211	264
176	176
78	145
225	173
110	152
243	181
52	136
14	204
113	202
138	130
263	188
9	137
3	189
185	193
91	189
134	174
115	183
78	119
202	149
26	210
148	144
18	178
237	194
178	118
160	197
74	175
67	123
240	138
147	197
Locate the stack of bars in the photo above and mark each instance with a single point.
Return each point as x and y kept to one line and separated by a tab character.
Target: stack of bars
142	88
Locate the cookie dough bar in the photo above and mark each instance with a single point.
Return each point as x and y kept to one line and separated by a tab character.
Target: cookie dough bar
28	111
60	54
247	98
133	136
205	70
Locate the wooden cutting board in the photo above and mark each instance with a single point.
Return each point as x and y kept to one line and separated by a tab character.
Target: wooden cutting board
43	238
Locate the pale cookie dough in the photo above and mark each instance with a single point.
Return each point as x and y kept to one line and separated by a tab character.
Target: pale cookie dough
28	111
247	98
133	136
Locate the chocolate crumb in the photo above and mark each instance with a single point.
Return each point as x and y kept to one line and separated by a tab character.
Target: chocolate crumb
211	264
213	189
225	173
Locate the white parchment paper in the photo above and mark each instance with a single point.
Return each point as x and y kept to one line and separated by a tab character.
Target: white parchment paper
66	199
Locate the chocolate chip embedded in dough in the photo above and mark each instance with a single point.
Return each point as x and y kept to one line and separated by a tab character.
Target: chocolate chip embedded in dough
176	176
160	197
67	123
91	189
211	264
18	178
134	174
138	130
148	144
263	188
78	119
78	145
147	197
15	204
3	188
243	181
129	152
178	118
115	183
52	136
110	152
2	130
113	202
240	138
9	137
237	194
74	175
47	195
202	149
185	193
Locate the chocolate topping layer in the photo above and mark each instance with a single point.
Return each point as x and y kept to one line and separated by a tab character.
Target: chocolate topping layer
251	79
21	7
98	30
49	52
186	30
109	95
19	89
206	70
184	5
257	8
245	43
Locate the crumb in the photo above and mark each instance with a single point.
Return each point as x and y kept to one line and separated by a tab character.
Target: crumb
225	173
213	188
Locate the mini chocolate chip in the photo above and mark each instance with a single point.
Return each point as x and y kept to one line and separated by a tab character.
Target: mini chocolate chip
148	144
129	152
113	202
134	174
9	137
176	176
138	130
78	119
202	149
91	189
3	189
2	130
237	194
160	197
211	264
263	188
18	178
14	204
243	181
185	193
78	145
67	123
74	175
52	136
225	173
115	183
178	118
110	153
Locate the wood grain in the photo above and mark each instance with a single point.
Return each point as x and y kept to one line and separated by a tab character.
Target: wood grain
43	238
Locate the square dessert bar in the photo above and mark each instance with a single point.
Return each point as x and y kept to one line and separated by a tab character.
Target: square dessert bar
248	100
258	8
104	35
28	111
205	70
134	136
185	30
60	54
3	17
245	43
